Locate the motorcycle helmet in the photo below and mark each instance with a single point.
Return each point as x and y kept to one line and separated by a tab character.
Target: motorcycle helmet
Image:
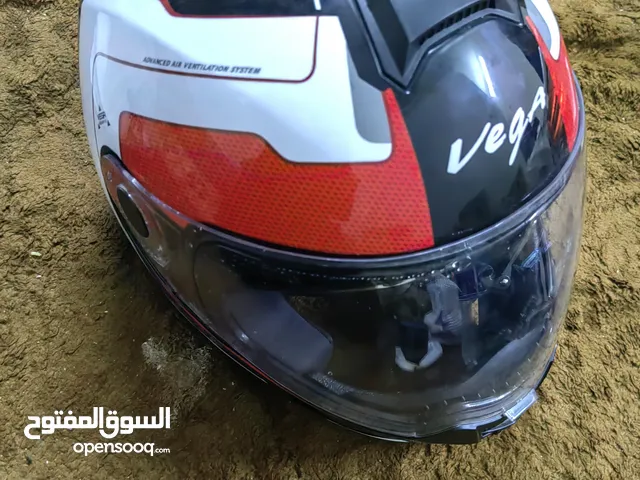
375	205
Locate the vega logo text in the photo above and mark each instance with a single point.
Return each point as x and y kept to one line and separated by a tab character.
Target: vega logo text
494	136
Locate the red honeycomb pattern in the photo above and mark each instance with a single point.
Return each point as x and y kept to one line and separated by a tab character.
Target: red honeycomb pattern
237	182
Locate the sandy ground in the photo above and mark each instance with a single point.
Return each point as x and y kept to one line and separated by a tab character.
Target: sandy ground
84	325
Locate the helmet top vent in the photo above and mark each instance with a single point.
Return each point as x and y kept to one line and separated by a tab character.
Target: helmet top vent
401	32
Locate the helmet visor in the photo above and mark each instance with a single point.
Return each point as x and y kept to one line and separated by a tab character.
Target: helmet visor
405	347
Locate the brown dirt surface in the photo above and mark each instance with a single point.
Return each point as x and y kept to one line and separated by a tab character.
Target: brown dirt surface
83	325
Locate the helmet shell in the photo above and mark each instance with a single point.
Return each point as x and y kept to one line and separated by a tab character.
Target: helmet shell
363	137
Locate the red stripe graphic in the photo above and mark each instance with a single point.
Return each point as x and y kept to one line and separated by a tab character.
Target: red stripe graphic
237	182
564	89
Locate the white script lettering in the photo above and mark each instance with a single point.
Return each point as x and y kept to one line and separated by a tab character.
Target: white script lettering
494	136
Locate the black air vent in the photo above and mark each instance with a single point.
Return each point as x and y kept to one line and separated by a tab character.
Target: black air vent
401	31
456	18
259	8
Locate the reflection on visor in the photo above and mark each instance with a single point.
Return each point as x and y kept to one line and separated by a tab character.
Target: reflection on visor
380	336
262	317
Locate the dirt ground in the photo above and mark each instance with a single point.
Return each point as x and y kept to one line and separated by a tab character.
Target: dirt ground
83	325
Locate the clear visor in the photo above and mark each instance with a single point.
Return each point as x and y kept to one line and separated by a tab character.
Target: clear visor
407	347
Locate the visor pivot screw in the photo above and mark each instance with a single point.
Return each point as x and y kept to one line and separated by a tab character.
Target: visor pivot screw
504	281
